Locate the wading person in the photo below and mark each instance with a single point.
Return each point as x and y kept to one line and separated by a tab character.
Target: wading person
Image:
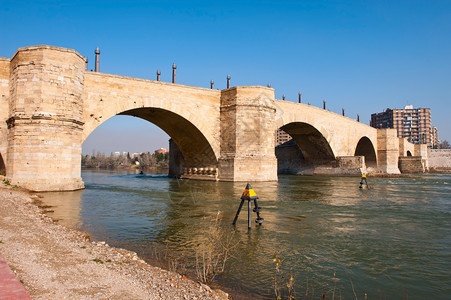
363	178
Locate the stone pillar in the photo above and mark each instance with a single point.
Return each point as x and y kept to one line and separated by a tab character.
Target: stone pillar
176	160
422	150
247	135
387	151
45	122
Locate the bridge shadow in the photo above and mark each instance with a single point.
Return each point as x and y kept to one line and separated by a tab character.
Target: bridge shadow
2	166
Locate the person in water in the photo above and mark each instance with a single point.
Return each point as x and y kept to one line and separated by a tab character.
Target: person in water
363	178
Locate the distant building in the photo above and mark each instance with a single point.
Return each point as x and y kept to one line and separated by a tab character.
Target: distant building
411	123
282	137
435	139
162	151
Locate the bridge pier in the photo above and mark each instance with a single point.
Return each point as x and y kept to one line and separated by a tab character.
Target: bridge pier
387	151
247	137
45	119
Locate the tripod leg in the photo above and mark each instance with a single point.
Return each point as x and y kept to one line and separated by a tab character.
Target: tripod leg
238	212
256	209
249	214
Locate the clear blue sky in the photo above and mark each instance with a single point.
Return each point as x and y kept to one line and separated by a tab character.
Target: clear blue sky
364	56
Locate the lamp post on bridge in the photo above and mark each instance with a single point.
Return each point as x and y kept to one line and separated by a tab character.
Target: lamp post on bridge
97	53
174	68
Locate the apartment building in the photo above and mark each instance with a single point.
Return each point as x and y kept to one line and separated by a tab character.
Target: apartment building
411	123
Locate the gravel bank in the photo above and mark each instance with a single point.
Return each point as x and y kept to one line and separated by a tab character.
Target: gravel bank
55	262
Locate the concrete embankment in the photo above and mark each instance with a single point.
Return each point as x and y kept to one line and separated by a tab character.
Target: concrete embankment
55	262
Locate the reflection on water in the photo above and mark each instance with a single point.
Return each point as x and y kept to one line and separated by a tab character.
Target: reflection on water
389	239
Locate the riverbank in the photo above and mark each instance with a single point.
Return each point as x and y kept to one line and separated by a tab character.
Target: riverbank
55	262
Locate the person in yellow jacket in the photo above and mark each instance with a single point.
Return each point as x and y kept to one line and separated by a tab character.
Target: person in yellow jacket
363	178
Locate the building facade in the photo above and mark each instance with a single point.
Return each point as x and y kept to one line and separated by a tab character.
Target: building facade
435	139
411	123
282	137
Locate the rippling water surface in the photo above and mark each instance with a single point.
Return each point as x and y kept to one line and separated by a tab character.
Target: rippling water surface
390	241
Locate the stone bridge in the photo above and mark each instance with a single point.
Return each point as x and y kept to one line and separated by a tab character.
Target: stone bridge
50	104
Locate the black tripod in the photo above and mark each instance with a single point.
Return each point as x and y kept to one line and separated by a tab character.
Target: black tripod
249	195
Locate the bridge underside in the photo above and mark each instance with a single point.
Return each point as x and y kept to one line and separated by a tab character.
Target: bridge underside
194	155
313	145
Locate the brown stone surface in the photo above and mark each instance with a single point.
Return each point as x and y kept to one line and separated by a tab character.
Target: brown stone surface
54	262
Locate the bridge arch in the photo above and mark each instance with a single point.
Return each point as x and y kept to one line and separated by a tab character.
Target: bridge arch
314	146
193	145
187	114
190	116
365	148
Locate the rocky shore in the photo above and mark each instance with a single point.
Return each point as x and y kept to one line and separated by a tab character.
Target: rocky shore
55	262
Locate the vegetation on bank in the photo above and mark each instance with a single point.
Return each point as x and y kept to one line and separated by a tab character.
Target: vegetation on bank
443	145
141	161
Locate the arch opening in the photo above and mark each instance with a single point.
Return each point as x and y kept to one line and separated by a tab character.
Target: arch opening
2	166
409	153
196	151
365	148
190	152
306	152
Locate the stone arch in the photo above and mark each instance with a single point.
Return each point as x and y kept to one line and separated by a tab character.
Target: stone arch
409	153
2	166
312	143
365	148
194	147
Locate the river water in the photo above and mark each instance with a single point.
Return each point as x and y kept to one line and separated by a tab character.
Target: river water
391	241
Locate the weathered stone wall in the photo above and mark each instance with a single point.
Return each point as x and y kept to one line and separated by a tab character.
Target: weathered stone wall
45	118
351	162
439	160
4	109
411	164
247	135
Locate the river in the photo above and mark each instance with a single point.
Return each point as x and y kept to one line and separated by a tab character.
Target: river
391	241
